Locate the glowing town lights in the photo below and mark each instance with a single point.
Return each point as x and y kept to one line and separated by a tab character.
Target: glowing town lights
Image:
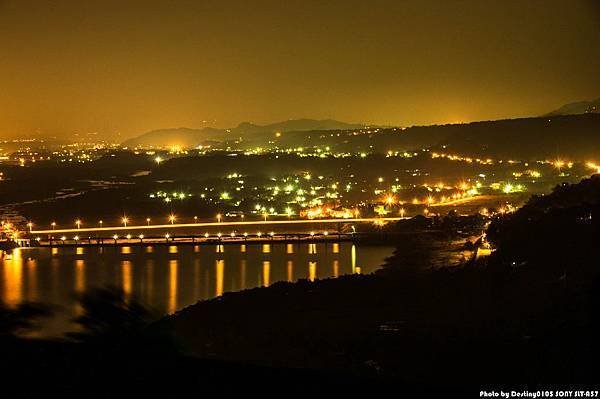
141	236
259	234
128	236
508	188
390	200
63	238
158	160
225	196
148	221
245	234
53	224
380	179
76	238
219	235
232	234
78	223
100	223
205	235
167	236
30	225
115	237
593	165
172	218
402	211
312	233
272	234
125	220
219	217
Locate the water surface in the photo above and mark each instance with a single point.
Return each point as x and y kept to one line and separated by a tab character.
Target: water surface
168	278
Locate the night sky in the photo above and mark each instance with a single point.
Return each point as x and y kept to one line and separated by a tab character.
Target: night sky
107	67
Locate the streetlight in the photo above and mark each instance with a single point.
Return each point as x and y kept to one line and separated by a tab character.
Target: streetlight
78	223
195	219
172	218
101	223
30	225
265	214
148	221
124	220
401	212
53	224
219	217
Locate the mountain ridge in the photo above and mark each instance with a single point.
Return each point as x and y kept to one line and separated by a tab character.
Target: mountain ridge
191	138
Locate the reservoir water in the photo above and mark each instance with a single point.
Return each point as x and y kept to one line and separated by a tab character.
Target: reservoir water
168	278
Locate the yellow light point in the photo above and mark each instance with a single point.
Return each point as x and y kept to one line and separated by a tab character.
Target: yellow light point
380	179
76	238
53	224
158	160
167	235
508	188
218	217
402	212
558	164
63	238
464	186
206	235
278	134
124	220
129	236
172	218
390	200
115	237
141	236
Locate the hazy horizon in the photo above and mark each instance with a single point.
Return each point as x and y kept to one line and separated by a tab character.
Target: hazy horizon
124	69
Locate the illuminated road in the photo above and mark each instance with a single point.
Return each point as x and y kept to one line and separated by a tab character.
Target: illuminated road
215	224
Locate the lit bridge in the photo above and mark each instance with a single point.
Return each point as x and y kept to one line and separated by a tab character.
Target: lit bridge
210	232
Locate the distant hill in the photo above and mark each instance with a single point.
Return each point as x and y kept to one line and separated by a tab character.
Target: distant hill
576	108
569	136
191	138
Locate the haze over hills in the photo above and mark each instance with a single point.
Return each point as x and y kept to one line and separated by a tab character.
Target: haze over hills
190	138
572	136
576	108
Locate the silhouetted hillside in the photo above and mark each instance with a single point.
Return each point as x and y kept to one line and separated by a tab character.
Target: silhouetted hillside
579	107
190	138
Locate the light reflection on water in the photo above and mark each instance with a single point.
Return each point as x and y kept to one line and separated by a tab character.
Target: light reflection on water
168	278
